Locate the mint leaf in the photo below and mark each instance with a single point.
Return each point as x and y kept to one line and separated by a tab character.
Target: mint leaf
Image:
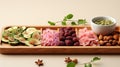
95	59
71	64
51	23
73	23
64	23
82	21
65	19
88	65
69	16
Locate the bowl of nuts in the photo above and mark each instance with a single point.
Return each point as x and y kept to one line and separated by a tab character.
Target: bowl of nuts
103	25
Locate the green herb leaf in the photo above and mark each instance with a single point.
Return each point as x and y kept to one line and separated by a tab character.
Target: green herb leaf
69	16
95	59
71	64
73	23
65	19
88	65
51	23
82	21
64	23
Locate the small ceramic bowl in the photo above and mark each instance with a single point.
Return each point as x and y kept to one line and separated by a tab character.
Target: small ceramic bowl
103	29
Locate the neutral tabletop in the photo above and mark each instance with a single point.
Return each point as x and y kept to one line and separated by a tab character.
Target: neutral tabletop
38	12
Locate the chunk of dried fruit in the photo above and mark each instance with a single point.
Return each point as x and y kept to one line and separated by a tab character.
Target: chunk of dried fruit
75	39
68	42
62	43
62	38
76	44
74	35
68	36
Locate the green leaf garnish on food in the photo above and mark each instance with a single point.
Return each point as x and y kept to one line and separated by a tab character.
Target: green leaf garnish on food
69	16
82	21
71	64
51	23
88	65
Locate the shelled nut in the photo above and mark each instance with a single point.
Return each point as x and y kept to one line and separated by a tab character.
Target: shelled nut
109	40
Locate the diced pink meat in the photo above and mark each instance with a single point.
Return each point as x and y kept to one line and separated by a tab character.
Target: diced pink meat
87	37
50	37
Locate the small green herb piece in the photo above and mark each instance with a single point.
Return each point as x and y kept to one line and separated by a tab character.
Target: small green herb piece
95	59
81	21
73	23
65	19
64	23
69	16
71	64
88	65
51	23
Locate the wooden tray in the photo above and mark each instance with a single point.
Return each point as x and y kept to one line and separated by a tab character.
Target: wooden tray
7	49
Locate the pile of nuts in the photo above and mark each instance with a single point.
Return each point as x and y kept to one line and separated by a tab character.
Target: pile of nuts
68	37
110	40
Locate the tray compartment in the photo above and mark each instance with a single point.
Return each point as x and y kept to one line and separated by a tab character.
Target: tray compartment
8	49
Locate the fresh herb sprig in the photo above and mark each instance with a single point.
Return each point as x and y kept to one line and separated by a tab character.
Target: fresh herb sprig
51	23
87	64
68	18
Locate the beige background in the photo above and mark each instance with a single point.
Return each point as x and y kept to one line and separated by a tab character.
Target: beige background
38	12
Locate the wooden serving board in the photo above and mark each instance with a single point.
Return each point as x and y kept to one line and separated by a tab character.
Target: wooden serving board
7	49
